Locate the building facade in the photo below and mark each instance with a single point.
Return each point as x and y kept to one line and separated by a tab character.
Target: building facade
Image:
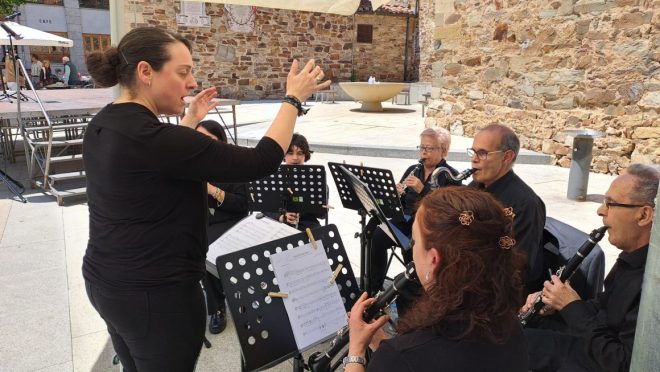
86	22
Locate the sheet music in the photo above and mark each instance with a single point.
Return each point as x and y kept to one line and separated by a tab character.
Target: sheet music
314	305
248	232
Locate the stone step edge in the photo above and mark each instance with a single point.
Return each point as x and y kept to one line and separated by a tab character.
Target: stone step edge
524	157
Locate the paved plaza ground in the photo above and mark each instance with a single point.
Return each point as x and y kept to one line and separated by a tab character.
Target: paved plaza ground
47	323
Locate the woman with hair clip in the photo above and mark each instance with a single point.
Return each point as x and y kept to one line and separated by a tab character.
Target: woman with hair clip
147	193
227	205
471	272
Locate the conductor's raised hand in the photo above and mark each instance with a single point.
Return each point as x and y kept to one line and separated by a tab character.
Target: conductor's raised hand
361	332
200	106
302	83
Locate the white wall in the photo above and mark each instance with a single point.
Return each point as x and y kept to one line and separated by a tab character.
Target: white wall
95	21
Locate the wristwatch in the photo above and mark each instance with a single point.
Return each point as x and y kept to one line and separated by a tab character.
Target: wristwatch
354	359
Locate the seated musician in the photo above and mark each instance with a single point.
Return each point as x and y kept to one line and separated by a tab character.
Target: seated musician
471	272
227	204
297	154
414	185
601	331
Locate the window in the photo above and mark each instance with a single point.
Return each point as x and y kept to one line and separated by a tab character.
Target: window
51	53
46	2
95	4
365	33
95	42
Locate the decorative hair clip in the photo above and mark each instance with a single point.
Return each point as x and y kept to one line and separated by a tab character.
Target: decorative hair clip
466	218
507	242
509	212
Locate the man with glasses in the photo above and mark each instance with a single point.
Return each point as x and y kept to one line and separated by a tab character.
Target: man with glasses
493	153
601	331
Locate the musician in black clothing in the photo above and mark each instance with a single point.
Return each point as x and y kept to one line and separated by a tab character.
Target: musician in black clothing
494	151
471	273
414	185
602	331
227	205
298	153
147	187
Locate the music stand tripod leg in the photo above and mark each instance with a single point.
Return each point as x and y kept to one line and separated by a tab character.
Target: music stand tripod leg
13	186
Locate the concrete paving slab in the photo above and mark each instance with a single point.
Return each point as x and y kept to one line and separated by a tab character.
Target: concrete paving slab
64	367
31	257
35	338
93	352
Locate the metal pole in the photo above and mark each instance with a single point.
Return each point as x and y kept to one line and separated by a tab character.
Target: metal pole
578	178
645	356
117	30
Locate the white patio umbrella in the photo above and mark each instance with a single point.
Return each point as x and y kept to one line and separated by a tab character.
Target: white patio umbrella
32	36
342	7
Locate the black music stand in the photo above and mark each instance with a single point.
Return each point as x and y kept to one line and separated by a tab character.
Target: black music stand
293	188
383	187
262	325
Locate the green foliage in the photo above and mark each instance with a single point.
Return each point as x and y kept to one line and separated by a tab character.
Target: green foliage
8	6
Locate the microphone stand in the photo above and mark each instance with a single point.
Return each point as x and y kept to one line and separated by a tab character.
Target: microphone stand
14	186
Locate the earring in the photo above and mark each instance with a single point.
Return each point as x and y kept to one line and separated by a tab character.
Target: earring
426	277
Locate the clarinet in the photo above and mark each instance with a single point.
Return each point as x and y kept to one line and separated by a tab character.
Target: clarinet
460	177
566	272
418	167
320	362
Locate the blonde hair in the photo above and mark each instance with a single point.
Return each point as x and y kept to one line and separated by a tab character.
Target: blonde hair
441	136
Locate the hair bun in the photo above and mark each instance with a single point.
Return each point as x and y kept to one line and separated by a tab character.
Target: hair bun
103	66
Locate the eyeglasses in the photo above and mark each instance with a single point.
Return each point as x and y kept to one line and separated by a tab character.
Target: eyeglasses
609	204
481	154
426	148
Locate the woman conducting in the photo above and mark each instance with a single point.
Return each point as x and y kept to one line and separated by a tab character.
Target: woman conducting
471	273
147	186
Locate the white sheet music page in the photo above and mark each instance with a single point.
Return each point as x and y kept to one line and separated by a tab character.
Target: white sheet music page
315	308
248	232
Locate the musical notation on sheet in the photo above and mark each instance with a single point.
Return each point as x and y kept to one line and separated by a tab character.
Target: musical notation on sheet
315	308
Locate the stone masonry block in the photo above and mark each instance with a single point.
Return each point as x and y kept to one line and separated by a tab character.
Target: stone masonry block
452	32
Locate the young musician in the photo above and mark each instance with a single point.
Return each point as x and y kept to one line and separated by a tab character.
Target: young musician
471	273
298	153
227	205
147	187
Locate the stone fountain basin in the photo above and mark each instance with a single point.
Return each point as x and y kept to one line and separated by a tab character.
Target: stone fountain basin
371	95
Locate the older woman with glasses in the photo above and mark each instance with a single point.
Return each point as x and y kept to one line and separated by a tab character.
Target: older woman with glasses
414	185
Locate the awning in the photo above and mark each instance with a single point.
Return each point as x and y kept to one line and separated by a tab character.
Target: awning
32	36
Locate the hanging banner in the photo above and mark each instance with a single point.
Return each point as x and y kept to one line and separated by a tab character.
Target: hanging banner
342	7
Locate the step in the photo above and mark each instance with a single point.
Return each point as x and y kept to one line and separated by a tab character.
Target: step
65	158
58	143
62	194
56	127
66	176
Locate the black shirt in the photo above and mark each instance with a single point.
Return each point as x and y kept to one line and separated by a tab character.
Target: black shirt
410	197
422	351
528	223
608	322
146	186
234	207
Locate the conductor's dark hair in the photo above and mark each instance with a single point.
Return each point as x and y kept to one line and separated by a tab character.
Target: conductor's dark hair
476	290
214	128
118	64
300	142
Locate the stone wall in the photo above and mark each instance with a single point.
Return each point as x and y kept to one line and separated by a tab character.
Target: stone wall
545	66
254	65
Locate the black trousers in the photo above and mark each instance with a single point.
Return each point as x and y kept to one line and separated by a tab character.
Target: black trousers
379	247
154	330
215	295
551	351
